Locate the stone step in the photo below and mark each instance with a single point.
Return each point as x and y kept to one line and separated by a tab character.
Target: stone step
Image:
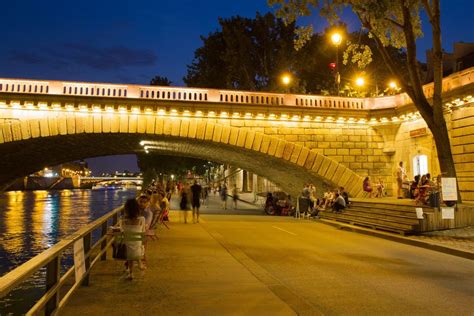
395	218
370	221
395	213
391	206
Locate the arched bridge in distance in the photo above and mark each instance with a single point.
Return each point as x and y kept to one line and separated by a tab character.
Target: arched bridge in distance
289	139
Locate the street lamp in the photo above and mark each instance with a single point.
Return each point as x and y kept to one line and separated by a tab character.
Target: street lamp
286	80
360	81
336	39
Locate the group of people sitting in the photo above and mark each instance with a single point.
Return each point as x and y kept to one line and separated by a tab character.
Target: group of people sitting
336	200
140	219
421	188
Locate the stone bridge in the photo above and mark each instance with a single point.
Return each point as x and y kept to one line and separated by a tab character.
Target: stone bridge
289	139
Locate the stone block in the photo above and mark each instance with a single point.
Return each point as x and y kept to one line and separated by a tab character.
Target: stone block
192	129
310	159
349	158
234	134
7	133
291	138
288	151
342	151
225	134
355	165
303	156
257	142
323	145
296	153
329	152
34	128
241	138
150	125
330	138
184	128
361	145
338	174
79	124
324	166
335	145
348	145
361	158
167	126
272	146
216	137
360	132
280	148
201	129
25	130
175	127
53	126
123	125
354	138
355	152
44	127
249	140
71	125
317	162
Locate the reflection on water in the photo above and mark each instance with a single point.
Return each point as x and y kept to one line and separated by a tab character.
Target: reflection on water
33	221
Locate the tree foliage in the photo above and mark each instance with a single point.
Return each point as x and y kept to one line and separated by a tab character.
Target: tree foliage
160	81
251	54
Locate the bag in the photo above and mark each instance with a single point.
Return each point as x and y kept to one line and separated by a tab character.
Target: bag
119	251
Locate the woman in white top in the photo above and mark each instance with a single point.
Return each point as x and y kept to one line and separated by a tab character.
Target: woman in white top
133	227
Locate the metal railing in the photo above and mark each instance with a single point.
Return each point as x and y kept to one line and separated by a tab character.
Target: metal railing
51	302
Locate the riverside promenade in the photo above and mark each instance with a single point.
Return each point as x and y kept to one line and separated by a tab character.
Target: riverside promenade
254	264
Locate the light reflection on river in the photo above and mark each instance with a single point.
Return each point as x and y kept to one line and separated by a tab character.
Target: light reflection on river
33	221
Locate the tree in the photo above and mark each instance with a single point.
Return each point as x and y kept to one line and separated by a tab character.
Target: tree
396	23
160	81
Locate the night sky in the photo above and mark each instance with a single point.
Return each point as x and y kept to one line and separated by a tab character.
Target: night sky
132	41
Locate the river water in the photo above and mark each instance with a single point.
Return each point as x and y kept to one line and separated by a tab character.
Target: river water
33	221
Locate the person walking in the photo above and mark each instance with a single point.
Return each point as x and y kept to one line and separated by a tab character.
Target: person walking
183	205
235	195
400	175
223	195
196	190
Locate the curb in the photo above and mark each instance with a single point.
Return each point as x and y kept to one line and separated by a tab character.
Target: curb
404	240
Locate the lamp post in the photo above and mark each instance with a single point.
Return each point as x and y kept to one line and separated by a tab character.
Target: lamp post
336	39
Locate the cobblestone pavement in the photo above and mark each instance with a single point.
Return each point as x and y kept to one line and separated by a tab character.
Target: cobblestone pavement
459	238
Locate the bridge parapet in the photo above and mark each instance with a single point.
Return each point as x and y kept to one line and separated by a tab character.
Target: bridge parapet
202	95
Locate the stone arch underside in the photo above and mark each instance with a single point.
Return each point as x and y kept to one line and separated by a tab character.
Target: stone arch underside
288	165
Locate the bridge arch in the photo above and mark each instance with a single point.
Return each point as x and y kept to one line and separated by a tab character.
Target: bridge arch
54	140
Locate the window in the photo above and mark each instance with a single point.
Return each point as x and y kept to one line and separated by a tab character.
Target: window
420	165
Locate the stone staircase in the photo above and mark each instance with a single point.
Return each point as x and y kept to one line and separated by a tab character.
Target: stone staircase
394	216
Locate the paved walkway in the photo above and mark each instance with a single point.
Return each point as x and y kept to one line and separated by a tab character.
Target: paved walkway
271	265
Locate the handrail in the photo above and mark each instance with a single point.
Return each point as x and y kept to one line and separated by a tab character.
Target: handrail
204	95
50	259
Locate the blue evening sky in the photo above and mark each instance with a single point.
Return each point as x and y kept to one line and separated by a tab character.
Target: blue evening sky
132	41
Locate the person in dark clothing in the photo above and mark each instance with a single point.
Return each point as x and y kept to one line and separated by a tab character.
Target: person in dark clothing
345	195
196	200
339	204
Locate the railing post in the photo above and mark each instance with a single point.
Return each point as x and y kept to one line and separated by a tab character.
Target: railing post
87	248
115	219
104	242
52	277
